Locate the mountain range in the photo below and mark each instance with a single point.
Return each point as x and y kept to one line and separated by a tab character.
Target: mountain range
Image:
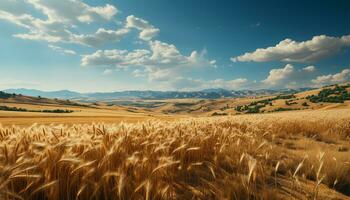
135	94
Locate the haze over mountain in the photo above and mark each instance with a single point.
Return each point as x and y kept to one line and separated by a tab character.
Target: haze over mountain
149	94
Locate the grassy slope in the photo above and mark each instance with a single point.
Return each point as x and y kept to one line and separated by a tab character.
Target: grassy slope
83	113
142	110
227	106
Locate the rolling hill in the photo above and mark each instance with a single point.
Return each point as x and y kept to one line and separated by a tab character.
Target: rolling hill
117	109
108	96
322	98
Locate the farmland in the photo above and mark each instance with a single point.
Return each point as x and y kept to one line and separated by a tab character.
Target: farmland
300	155
177	148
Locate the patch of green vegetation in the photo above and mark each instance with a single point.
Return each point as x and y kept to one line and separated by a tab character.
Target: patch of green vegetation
290	102
255	106
4	95
288	96
255	109
239	108
218	114
6	108
184	104
338	94
305	104
56	111
284	109
140	104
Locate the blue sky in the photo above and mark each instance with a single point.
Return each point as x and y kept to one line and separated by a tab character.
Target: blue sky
104	45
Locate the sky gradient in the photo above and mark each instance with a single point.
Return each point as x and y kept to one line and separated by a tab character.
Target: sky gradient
105	45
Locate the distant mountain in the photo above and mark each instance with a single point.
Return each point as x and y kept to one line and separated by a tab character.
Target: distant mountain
214	90
108	96
62	94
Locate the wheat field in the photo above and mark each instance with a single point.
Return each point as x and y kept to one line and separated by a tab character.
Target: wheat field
292	155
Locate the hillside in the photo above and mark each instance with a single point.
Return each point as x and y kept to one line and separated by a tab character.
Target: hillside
56	110
323	98
26	110
150	95
34	100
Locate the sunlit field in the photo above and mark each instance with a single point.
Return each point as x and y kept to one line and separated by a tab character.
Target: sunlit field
174	100
291	155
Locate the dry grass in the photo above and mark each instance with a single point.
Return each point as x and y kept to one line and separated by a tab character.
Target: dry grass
206	158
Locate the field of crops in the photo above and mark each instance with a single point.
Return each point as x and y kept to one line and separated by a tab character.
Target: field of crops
292	155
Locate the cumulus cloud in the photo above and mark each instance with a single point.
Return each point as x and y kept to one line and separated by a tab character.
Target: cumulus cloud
73	11
167	55
100	37
340	77
163	60
310	68
61	19
290	77
116	57
62	50
20	20
277	75
147	31
58	22
292	51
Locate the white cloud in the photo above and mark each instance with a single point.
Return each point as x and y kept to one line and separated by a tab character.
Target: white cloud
277	75
148	34
291	51
107	72
237	82
100	37
160	62
147	31
21	20
167	55
213	63
58	22
340	77
122	58
62	50
289	77
310	68
73	10
106	12
61	19
138	23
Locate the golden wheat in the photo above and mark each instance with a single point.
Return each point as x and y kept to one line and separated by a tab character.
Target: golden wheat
204	158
